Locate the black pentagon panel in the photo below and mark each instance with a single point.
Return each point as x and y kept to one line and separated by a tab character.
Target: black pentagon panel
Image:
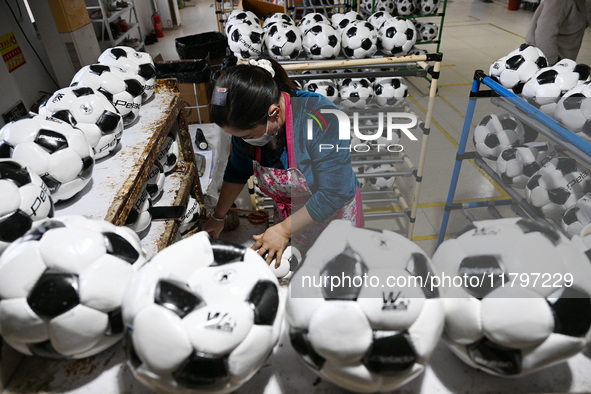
349	264
66	116
570	216
130	352
315	29
14	225
82	91
419	266
364	82
548	76
508	154
566	165
390	32
492	141
116	325
41	229
543	227
273	30
226	252
87	168
256	38
147	71
409	33
176	297
351	32
5	150
15	172
583	70
46	350
378	89
116	53
132	217
396	83
541	62
54	293
509	124
348	51
572	313
291	36
134	87
312	87
128	118
203	371
333	41
533	182
485	120
52	184
106	93
573	101
108	122
99	69
514	62
51	141
518	88
530	169
488	270
508	180
490	356
558	195
264	301
118	246
390	352
301	344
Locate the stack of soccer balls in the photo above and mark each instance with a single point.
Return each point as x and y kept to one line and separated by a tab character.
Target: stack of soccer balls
400	7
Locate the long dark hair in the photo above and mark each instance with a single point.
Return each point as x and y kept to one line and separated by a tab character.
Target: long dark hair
250	91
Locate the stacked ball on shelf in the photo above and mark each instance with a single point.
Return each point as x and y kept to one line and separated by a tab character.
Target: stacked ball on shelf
246	37
497	132
397	36
516	165
401	7
573	110
516	68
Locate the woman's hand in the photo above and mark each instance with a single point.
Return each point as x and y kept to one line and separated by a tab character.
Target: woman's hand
272	242
213	227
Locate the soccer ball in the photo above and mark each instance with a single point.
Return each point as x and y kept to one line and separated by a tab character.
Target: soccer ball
359	40
341	21
190	216
25	199
377	19
366	6
415	51
360	337
549	84
515	69
499	316
497	132
428	31
355	92
518	164
62	285
203	316
325	87
89	111
557	186
169	153
397	36
290	261
322	41
155	180
283	41
405	7
118	84
278	17
140	215
381	182
54	150
246	40
386	6
240	16
573	110
389	92
312	19
425	7
578	216
140	63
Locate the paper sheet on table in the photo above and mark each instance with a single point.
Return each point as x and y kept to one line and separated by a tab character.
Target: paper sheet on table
206	178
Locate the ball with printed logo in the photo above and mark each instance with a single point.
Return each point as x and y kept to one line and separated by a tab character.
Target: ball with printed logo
577	217
377	19
497	132
140	215
321	41
203	316
426	7
51	148
365	335
518	164
91	112
155	181
169	153
513	70
62	285
397	36
190	216
283	41
246	40
517	298
25	200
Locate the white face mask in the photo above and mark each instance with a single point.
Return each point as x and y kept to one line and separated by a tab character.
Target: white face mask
263	139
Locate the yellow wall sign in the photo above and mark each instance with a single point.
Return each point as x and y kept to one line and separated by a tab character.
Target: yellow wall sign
11	52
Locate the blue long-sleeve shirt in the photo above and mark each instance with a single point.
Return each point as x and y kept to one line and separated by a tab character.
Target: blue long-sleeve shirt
328	171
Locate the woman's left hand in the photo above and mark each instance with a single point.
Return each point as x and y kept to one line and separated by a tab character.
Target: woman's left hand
273	242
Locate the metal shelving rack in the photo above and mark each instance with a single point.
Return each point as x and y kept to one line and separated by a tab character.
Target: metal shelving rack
128	13
503	98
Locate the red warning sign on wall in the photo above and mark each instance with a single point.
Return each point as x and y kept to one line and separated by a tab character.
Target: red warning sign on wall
11	52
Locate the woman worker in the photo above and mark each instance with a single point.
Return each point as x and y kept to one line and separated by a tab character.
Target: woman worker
310	182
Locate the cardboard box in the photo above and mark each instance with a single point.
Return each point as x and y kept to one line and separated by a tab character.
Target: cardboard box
197	98
69	15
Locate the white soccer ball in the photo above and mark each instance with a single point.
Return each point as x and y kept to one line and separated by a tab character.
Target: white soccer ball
155	181
325	87
62	285
577	217
322	41
140	215
364	338
278	17
54	150
389	92
377	19
573	110
501	316
203	316
89	111
355	92
119	85
497	132
140	63
397	36
518	164
246	40
25	200
341	21
388	6
428	31
239	16
425	7
169	153
382	181
405	7
359	40
415	51
557	186
190	216
312	19
290	261
515	69
283	41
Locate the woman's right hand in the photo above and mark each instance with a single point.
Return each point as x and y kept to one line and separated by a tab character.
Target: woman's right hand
213	227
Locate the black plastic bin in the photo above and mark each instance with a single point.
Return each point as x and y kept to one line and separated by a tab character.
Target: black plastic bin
198	46
190	71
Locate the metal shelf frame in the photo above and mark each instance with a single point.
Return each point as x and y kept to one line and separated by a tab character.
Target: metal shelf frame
128	13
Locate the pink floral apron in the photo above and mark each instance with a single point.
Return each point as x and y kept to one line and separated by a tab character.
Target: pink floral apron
289	188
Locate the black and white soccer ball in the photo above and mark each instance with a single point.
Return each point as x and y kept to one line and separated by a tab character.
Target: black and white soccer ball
366	6
290	261
283	41
312	19
389	92
388	6
380	179
578	216
140	215
321	41
549	84
513	323
557	186
62	285
137	62
363	338
190	217
397	36
169	153
515	69
428	31
246	40
405	7
516	165
497	132
53	149
155	181
240	16
359	40
278	17
355	93
425	7
119	85
325	87
203	316
377	19
416	51
91	112
341	21
573	110
25	200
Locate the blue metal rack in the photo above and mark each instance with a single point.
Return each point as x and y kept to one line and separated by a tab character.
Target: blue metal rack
504	98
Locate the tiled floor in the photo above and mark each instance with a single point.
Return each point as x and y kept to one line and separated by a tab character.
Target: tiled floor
474	35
